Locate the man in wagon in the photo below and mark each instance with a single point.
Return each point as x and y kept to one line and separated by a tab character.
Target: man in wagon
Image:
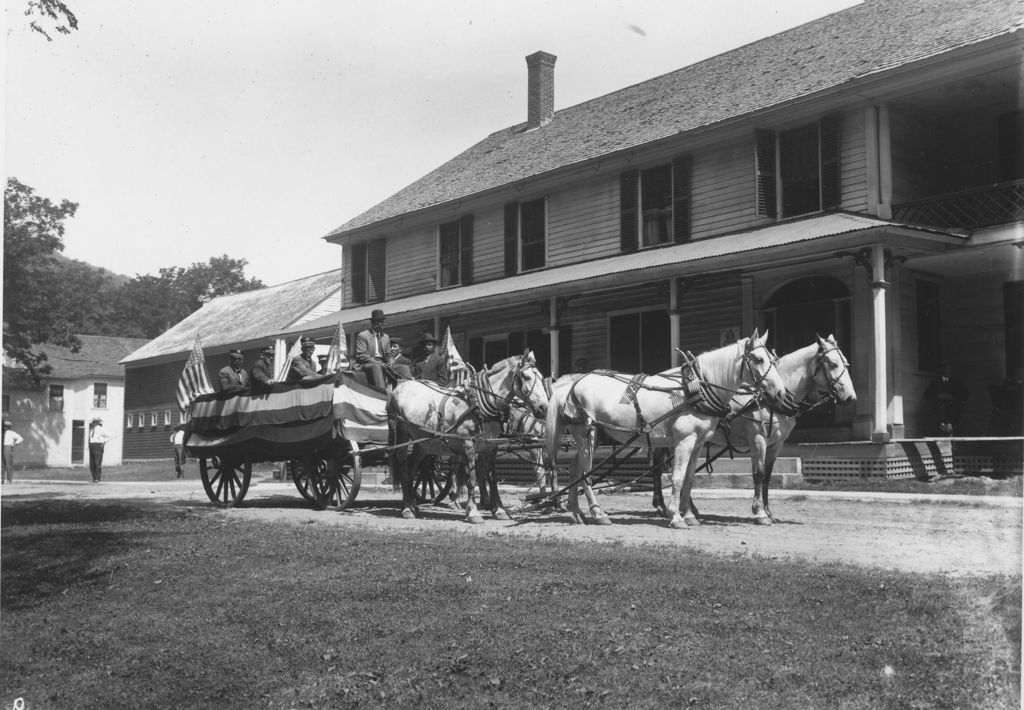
429	365
401	365
304	366
372	349
233	377
262	375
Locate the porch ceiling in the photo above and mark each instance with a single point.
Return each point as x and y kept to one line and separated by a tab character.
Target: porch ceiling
753	249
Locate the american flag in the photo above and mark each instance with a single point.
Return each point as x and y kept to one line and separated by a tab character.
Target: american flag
458	370
194	380
286	363
336	357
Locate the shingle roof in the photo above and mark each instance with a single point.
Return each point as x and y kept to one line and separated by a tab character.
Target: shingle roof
243	317
826	53
100	356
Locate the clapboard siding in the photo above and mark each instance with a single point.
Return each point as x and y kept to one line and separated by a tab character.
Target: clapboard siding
853	163
331	304
723	190
488	244
583	222
412	262
587	314
707	304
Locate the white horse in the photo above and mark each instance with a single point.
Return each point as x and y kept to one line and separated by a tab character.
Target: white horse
819	371
465	423
679	410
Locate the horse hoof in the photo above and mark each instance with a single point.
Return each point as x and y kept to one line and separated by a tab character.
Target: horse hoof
763	519
408	514
691	520
501	515
602	520
677	524
475	519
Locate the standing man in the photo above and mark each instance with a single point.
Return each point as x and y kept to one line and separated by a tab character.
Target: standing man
429	365
233	377
178	444
947	396
304	365
11	439
262	375
372	348
98	438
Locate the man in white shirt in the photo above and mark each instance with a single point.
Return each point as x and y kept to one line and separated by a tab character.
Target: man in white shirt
98	437
11	439
178	442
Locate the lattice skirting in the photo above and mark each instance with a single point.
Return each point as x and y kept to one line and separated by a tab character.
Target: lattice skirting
890	461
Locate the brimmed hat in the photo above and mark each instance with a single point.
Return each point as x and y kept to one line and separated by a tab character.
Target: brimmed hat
96	420
377	314
428	338
269	350
235	353
308	341
397	341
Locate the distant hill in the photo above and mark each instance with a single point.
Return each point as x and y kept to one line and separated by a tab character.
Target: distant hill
116	280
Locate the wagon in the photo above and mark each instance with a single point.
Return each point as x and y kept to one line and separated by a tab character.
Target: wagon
325	430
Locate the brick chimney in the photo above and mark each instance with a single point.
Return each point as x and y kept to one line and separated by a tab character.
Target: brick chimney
541	89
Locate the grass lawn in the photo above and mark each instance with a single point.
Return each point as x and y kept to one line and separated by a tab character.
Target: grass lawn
136	604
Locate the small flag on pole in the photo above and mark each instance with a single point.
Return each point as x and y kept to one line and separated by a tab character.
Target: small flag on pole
458	370
336	357
194	380
286	364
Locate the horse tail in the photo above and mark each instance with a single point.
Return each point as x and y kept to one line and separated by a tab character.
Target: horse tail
396	460
554	424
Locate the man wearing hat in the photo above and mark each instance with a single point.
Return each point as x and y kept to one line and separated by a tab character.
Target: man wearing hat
372	350
98	438
400	364
304	365
262	374
233	377
178	446
11	439
429	365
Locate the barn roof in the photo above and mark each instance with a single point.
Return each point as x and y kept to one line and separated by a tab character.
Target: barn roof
243	317
100	356
852	44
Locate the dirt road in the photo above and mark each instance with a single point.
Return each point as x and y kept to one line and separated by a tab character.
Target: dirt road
950	534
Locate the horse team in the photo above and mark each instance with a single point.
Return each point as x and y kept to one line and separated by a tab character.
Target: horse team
741	391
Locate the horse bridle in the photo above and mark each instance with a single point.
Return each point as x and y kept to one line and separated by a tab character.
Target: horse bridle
758	384
493	407
833	390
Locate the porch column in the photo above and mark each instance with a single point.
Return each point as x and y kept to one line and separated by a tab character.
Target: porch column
280	352
880	431
673	320
553	328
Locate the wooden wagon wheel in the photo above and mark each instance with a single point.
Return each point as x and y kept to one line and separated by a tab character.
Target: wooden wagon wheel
226	480
333	480
433	481
302	480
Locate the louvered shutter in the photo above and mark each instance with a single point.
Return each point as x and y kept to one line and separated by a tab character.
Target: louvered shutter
511	239
376	270
466	243
764	159
627	211
681	168
358	279
828	141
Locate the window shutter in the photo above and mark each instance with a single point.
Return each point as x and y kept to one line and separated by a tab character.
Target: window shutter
476	352
516	343
376	270
511	238
764	155
627	211
358	279
681	168
466	242
831	180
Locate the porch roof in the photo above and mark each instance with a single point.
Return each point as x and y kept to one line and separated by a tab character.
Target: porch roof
776	243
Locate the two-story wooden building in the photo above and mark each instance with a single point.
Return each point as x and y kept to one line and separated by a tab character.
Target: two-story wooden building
858	175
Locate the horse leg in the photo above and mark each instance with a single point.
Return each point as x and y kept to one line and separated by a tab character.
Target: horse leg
685	450
690	518
472	512
769	466
660	456
580	463
488	478
758	456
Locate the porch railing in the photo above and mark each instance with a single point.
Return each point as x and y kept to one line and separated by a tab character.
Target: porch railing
979	207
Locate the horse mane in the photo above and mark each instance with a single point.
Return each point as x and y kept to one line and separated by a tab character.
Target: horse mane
720	366
507	363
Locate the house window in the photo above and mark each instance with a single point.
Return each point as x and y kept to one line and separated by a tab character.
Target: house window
128	421
639	342
525	236
929	325
655	205
797	170
167	417
455	251
369	261
56	398
99	395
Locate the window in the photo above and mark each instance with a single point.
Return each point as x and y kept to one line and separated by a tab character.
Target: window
99	395
929	325
167	417
455	250
56	398
369	261
639	342
525	236
797	170
655	205
152	419
128	421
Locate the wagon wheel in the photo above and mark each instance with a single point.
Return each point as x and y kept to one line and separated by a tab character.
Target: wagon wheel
226	480
333	482
302	481
433	481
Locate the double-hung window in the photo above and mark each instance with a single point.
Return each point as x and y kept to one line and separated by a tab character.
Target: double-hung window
56	398
797	170
99	395
525	236
455	252
368	262
655	205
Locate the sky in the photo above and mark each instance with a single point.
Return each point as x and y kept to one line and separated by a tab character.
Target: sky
186	130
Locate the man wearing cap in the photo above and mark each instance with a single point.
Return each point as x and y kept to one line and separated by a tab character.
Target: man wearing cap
233	377
11	439
372	350
429	365
303	365
400	364
98	438
262	374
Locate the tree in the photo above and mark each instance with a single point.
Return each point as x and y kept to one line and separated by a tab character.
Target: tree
33	234
53	13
